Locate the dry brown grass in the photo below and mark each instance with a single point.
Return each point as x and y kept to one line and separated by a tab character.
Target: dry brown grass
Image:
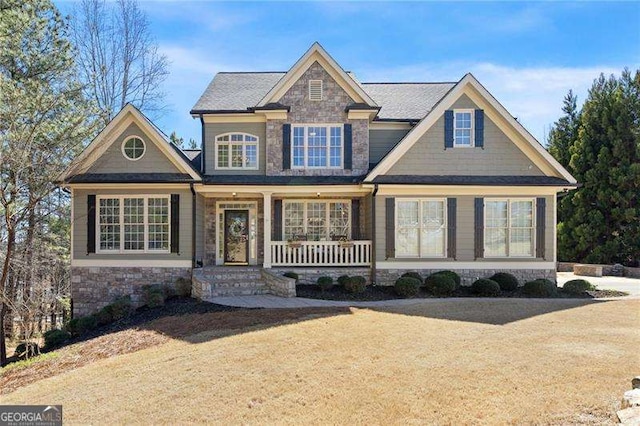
446	362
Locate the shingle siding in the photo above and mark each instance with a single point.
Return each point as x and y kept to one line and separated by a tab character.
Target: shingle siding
500	155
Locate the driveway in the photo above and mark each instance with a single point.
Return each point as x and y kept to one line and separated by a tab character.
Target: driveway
630	285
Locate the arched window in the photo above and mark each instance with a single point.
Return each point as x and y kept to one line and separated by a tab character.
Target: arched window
236	151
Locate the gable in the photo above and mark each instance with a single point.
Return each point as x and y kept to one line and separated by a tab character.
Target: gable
500	156
330	109
114	161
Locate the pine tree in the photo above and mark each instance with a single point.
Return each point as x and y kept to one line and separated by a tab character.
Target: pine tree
604	224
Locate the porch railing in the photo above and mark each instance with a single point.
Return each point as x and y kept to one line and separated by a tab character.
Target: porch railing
321	253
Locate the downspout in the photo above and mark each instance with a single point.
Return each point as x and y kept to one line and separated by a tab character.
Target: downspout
373	234
203	164
193	226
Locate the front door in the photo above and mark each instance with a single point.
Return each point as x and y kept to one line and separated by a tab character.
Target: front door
236	236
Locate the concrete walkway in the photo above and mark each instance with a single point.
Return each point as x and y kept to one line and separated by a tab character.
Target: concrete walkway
630	285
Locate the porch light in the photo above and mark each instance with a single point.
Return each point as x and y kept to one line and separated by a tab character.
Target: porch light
317	194
234	194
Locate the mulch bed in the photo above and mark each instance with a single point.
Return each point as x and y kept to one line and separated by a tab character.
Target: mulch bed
377	293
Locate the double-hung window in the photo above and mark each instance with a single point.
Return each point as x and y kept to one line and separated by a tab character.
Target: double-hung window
316	220
463	128
420	228
237	151
133	224
316	146
509	228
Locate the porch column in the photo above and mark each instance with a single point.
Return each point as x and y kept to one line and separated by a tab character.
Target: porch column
266	232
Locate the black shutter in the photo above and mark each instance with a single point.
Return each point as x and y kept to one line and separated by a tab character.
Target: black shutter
286	146
448	128
479	228
355	219
91	223
479	128
451	227
175	223
390	227
541	204
348	150
276	225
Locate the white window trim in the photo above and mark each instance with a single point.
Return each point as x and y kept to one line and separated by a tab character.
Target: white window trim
144	147
327	214
445	226
533	227
306	145
473	129
321	90
244	150
121	223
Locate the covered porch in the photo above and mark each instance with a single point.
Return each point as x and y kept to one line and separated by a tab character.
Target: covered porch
295	226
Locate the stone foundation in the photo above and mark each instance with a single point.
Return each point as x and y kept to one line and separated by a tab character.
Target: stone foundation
468	276
94	287
310	275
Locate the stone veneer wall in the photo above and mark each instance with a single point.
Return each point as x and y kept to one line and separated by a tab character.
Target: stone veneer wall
278	285
330	110
310	275
210	227
94	287
468	276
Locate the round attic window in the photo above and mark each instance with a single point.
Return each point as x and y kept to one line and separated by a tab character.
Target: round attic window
133	148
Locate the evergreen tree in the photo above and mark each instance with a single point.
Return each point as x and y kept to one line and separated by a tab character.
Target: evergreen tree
604	223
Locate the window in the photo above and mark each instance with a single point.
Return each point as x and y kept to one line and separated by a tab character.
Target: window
420	228
315	90
316	146
236	151
138	223
463	128
508	228
317	220
133	148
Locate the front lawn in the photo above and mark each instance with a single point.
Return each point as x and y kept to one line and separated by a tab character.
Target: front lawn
454	361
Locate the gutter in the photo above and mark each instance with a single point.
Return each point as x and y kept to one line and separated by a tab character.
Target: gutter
373	234
202	148
193	226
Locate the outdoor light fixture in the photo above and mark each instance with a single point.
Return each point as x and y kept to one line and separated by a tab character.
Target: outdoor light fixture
234	194
317	194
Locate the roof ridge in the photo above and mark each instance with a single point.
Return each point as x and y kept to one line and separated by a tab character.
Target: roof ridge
409	82
251	72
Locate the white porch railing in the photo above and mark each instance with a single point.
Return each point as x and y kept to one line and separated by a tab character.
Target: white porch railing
321	253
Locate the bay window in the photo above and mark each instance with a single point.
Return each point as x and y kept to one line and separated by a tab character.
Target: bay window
420	228
316	220
509	228
133	224
316	146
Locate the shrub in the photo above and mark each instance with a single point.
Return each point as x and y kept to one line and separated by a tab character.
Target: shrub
414	275
103	316
440	284
540	287
577	286
81	325
153	296
291	275
26	350
169	291
485	287
455	277
506	281
356	284
342	280
325	283
183	287
55	338
407	286
118	309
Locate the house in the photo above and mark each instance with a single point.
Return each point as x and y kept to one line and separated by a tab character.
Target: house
312	171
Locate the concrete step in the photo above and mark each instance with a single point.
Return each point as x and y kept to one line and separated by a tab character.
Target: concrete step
228	281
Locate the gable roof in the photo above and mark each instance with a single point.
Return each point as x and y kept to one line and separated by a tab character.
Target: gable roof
470	86
127	115
316	53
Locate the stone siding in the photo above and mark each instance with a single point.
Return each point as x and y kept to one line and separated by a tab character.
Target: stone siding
468	276
330	110
278	285
94	287
310	275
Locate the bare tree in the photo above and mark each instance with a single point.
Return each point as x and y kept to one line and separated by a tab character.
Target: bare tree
118	59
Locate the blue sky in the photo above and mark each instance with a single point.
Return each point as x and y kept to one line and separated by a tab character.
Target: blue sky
527	54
